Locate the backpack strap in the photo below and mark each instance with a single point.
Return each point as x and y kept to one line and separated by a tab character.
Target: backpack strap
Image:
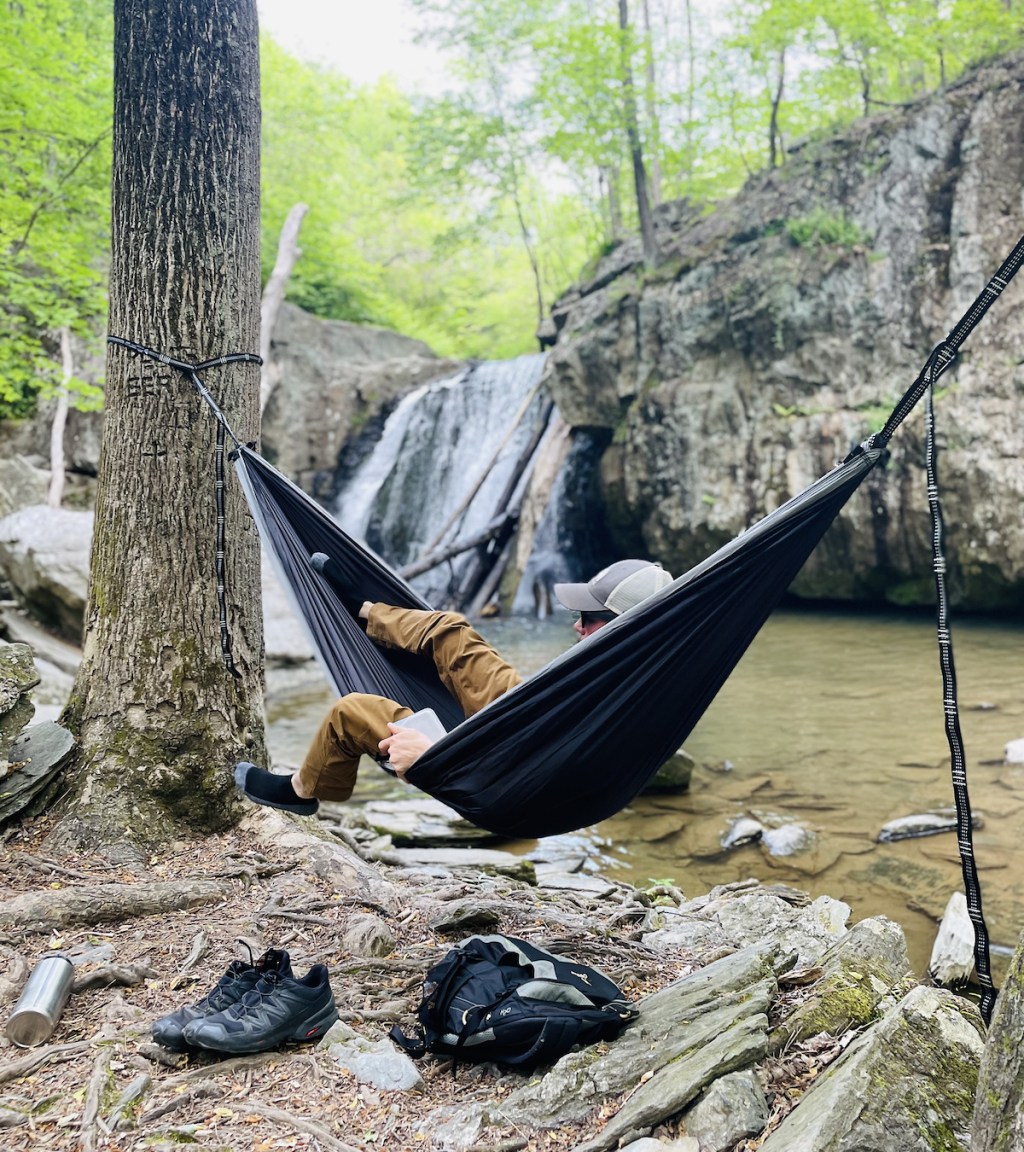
415	1046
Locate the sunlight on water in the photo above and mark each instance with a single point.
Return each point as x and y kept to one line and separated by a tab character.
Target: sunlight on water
833	722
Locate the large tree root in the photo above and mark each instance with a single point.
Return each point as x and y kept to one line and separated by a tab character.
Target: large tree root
46	909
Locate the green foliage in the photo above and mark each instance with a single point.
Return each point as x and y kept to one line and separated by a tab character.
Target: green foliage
55	111
458	219
822	226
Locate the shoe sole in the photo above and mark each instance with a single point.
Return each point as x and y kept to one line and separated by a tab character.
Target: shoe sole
311	1028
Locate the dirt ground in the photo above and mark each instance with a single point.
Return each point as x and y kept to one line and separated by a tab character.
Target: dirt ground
101	1083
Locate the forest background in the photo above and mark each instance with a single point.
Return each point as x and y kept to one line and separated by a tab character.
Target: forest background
459	217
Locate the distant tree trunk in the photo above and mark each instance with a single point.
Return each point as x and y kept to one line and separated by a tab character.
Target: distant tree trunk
159	718
609	181
273	295
643	201
774	135
651	102
60	418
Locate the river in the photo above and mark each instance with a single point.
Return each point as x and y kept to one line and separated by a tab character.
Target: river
833	721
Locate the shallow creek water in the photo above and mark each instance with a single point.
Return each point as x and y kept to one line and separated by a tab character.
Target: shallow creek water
833	721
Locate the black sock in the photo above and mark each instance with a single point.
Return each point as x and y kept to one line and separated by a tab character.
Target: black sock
272	790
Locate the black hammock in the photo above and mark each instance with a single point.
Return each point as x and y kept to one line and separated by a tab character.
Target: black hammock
578	740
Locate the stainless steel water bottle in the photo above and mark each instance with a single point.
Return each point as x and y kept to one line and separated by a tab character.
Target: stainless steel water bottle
41	1002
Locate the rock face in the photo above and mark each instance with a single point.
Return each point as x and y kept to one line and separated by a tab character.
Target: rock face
752	358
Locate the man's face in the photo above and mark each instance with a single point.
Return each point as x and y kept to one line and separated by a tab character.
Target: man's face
587	623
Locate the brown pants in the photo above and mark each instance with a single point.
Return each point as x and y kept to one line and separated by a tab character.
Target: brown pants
468	666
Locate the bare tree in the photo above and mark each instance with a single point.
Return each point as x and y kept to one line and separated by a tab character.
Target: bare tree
55	493
273	295
643	200
161	714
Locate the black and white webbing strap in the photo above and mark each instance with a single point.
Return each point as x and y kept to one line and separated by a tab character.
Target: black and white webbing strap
223	429
954	737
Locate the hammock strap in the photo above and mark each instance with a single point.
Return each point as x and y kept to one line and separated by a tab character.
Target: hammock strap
954	737
945	352
223	431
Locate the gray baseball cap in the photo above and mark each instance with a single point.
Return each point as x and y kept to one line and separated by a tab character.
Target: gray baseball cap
620	586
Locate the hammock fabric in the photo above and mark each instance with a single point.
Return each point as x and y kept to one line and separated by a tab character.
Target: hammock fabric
577	741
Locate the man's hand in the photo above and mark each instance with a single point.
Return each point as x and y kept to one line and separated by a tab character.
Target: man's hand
403	748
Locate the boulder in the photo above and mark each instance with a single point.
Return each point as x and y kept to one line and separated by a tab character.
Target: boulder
733	1108
999	1105
22	484
905	1085
44	554
858	973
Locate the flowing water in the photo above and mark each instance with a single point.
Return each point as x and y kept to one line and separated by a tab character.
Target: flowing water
833	721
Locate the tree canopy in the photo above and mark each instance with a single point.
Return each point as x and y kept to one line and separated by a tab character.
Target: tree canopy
458	218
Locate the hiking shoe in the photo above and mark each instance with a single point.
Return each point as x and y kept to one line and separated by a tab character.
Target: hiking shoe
241	977
271	789
279	1008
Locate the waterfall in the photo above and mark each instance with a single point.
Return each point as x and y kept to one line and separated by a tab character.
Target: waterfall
453	463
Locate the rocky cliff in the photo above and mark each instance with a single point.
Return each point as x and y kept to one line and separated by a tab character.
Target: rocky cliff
777	332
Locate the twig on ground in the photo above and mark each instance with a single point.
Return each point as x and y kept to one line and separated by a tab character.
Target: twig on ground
308	1127
196	1092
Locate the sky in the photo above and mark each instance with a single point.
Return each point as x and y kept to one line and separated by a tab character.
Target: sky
362	39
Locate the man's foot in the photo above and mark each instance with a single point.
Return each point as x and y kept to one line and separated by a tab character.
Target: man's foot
331	571
272	790
278	1008
240	977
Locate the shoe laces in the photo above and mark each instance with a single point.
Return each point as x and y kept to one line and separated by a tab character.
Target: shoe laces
265	986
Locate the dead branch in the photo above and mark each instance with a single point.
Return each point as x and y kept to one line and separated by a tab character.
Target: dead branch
50	867
127	975
46	909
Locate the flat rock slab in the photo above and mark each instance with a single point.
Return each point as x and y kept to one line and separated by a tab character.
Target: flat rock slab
35	758
552	877
421	820
487	860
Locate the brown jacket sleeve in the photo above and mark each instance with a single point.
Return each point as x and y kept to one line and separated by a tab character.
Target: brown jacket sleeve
468	666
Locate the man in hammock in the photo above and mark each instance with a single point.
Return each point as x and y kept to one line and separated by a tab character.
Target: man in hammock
361	724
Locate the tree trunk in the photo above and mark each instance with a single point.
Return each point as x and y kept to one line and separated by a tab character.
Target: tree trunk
643	201
55	493
159	716
999	1103
651	104
775	151
273	296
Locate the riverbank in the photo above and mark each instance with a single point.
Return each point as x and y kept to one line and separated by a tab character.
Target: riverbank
753	999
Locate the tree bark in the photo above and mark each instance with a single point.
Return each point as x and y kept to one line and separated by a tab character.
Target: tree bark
999	1102
55	493
643	200
273	295
159	716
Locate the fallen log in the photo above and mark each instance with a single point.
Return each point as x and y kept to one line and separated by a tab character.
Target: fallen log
435	559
